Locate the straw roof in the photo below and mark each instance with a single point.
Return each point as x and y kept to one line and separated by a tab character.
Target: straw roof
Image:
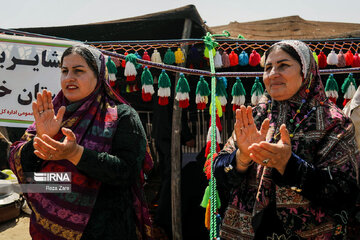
292	27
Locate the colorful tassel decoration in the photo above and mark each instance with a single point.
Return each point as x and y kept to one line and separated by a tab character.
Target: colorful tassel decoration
348	88
221	84
147	85
123	62
156	57
137	55
182	91
206	203
238	93
341	59
257	91
332	89
179	56
169	57
206	52
225	60
349	58
332	58
234	59
322	61
217	60
112	70
315	57
146	56
254	59
194	57
164	90
356	61
202	93
243	59
130	67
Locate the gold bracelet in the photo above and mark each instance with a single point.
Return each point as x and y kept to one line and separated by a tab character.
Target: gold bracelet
246	165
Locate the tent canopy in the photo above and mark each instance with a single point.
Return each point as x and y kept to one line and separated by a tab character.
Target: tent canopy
161	25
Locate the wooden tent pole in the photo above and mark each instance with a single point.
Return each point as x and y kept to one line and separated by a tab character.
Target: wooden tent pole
175	151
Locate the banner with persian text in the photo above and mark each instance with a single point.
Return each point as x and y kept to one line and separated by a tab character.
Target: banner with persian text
27	66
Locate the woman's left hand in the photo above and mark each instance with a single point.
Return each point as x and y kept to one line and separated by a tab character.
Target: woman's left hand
274	155
50	149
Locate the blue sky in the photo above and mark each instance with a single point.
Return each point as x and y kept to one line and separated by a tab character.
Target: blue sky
42	13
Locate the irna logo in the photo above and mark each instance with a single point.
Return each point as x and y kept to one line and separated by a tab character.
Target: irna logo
52	177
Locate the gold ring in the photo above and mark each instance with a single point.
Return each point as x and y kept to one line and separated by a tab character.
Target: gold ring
265	161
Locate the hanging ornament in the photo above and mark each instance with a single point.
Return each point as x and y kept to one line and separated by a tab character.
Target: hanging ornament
349	58
179	56
217	139
332	89
217	60
182	91
221	84
112	70
257	91
169	57
123	62
234	59
147	85
156	57
202	93
315	57
206	203
137	55
225	60
348	88
130	67
322	60
193	57
146	56
206	52
164	90
356	61
254	59
341	59
238	93
243	58
332	58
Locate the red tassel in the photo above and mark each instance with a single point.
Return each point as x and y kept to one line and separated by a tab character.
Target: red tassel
146	57
201	106
322	60
218	123
349	58
346	100
184	103
235	107
130	78
123	62
223	108
208	148
333	100
163	101
254	58
146	96
234	59
112	83
356	61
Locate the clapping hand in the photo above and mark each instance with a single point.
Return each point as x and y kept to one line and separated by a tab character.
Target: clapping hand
44	114
274	155
247	133
49	149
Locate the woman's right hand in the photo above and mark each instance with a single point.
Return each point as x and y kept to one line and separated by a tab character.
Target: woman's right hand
44	114
247	133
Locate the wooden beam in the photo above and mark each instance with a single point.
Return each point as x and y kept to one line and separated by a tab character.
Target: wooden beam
175	152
